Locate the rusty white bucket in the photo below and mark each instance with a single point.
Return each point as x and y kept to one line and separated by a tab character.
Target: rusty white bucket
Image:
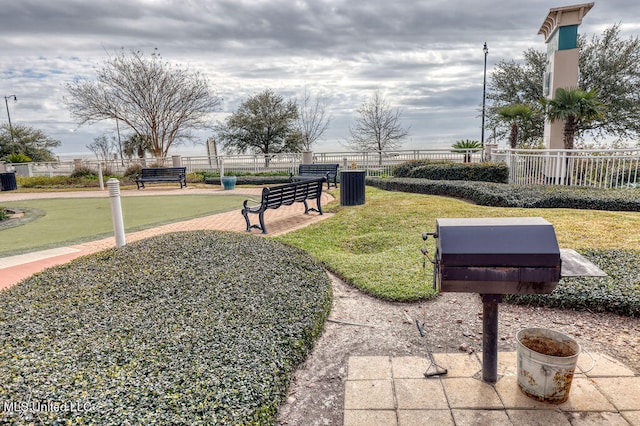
546	364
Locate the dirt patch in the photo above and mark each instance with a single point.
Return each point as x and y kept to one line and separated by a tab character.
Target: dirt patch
360	325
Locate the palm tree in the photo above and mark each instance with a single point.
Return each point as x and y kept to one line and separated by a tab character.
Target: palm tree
574	106
467	147
515	113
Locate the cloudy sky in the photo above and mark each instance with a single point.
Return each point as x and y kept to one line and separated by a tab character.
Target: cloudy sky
424	56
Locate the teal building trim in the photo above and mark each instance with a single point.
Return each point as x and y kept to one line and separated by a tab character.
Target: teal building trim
568	37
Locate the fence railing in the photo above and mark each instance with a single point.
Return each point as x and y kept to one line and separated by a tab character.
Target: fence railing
589	168
593	168
375	163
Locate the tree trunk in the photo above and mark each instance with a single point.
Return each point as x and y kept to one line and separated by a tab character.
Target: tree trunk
514	135
570	129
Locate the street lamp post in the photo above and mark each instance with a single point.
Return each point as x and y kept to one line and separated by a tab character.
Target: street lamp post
484	92
6	103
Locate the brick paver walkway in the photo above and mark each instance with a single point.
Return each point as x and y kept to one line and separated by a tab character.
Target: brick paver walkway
285	219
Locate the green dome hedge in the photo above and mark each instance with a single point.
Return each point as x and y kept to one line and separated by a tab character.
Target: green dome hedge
185	328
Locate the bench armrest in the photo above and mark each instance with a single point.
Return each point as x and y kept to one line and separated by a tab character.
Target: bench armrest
245	204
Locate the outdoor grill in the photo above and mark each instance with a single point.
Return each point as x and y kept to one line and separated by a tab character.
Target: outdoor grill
497	256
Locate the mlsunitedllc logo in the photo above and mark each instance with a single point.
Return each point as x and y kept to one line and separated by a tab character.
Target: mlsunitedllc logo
45	407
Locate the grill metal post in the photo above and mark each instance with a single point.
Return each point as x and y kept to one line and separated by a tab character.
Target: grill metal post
490	337
497	256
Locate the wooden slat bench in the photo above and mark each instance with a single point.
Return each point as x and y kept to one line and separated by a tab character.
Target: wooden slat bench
162	174
313	171
284	195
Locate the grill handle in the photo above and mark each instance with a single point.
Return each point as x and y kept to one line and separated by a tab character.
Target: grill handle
425	235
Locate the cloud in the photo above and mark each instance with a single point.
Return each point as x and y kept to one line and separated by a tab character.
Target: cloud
425	56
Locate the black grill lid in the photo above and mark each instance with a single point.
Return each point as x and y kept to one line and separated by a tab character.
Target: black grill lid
496	242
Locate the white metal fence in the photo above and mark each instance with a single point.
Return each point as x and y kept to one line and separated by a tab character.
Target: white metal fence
594	168
589	168
375	163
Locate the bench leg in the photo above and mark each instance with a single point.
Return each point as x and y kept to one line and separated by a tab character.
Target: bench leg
308	209
261	217
246	219
261	227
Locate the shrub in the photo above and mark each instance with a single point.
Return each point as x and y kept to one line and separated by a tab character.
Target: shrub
404	169
186	328
18	158
618	293
3	214
487	172
57	182
84	171
106	171
194	178
131	171
506	195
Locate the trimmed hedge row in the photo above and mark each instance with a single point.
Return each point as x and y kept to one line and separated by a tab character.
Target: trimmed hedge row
186	328
506	195
617	293
474	172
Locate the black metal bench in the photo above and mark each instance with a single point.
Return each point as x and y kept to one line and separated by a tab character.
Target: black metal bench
317	170
162	174
285	195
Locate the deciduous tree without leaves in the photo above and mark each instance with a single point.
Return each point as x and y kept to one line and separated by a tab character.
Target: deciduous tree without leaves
313	120
377	128
103	147
159	101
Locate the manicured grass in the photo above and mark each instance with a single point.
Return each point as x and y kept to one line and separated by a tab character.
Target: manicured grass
66	220
376	246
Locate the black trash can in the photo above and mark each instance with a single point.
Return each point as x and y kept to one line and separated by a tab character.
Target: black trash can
8	181
352	187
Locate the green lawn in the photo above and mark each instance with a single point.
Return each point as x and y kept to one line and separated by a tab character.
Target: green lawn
376	246
62	221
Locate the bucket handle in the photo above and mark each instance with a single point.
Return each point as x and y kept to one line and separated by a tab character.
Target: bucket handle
593	362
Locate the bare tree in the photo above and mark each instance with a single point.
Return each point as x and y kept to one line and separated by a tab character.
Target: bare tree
313	120
156	99
378	127
103	147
